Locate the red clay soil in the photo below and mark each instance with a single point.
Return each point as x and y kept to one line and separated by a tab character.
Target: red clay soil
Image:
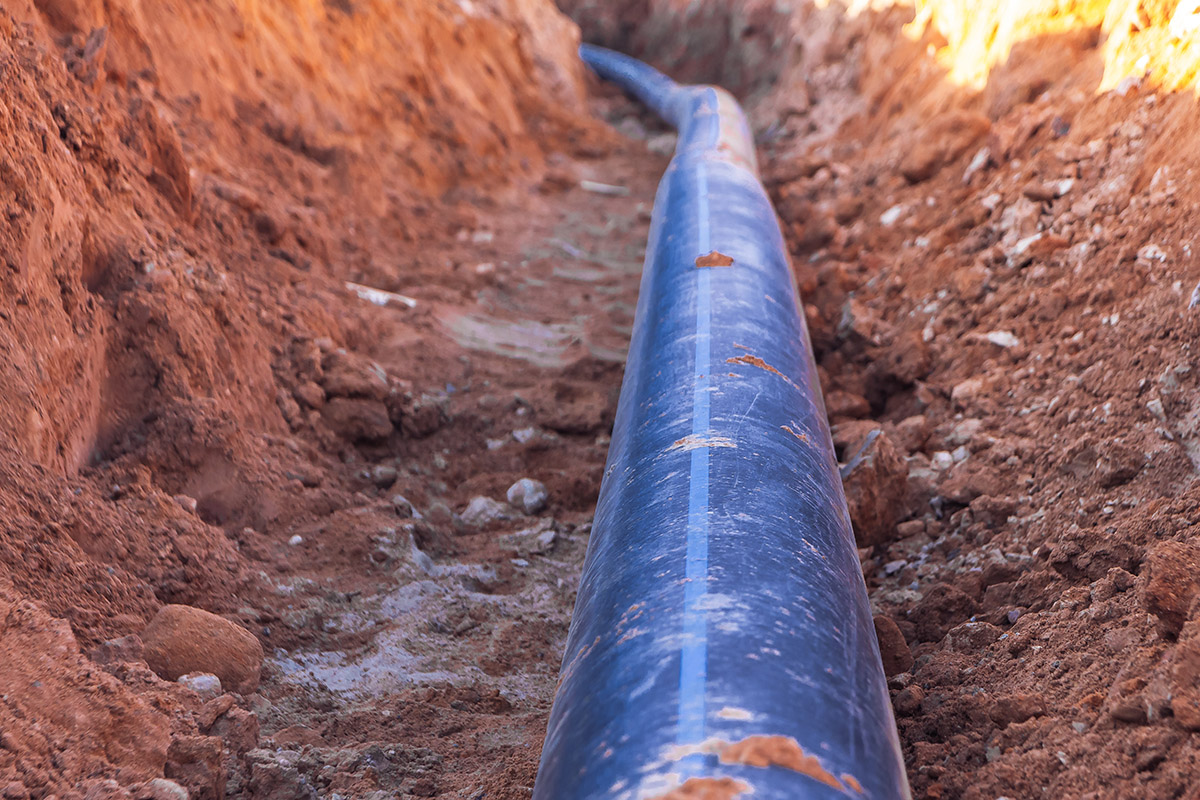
199	410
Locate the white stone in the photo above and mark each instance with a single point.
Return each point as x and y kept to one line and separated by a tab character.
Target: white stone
202	683
484	510
528	495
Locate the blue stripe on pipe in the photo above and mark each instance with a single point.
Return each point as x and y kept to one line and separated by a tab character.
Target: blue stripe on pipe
693	661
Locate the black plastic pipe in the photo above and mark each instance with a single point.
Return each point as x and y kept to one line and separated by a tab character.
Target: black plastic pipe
721	641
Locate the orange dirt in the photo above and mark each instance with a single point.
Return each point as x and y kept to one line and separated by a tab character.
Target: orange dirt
706	789
777	751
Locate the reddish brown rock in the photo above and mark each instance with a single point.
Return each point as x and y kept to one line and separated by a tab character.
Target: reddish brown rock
182	639
941	142
115	651
1185	684
357	419
846	405
1174	570
893	650
876	482
1016	708
971	637
908	701
849	435
238	728
907	360
196	763
351	375
911	433
942	607
969	480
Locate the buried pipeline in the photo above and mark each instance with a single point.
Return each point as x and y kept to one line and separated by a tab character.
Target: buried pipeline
721	644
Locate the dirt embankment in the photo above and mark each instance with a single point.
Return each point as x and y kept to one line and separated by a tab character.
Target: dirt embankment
186	188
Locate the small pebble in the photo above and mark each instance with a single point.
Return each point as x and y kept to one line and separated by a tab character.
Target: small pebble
383	476
205	684
296	540
161	789
483	511
403	506
528	495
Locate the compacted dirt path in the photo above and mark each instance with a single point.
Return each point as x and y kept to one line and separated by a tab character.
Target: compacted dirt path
414	632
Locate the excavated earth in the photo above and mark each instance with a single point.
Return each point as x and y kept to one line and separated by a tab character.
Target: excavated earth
291	294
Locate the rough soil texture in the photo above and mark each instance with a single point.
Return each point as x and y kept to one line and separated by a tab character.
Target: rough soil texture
989	214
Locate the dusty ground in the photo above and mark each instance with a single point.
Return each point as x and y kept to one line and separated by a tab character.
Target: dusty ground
989	215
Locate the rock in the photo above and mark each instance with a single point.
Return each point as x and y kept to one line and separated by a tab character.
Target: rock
1174	573
1129	709
197	763
941	142
849	435
942	607
351	375
1044	191
403	506
1185	684
970	480
205	684
1118	463
907	701
183	639
238	729
383	475
159	789
357	419
876	484
911	434
907	360
212	710
847	208
966	392
116	651
963	432
527	495
971	637
1016	708
532	541
104	790
483	511
311	394
845	405
970	283
992	511
897	658
418	417
274	776
912	527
